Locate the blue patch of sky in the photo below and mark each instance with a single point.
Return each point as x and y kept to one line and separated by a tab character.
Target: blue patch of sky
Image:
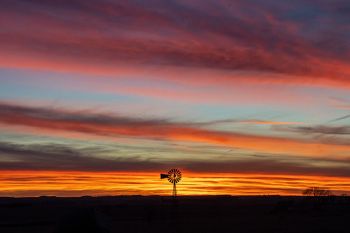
22	85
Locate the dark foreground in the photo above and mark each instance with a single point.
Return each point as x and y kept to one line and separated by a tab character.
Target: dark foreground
190	214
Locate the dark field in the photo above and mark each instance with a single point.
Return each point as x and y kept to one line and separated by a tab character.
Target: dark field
189	214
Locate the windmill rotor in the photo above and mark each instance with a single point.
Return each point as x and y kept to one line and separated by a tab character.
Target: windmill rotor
174	176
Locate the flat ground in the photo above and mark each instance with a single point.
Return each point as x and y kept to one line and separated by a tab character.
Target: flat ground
213	214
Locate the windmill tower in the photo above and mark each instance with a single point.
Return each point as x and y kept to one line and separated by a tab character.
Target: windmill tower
173	176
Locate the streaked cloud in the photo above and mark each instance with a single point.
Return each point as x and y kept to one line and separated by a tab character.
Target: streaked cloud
113	37
318	129
60	157
341	118
249	121
87	122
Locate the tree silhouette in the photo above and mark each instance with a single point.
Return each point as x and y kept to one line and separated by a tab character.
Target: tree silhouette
317	192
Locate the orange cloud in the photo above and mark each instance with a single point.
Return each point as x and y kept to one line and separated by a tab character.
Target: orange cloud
116	126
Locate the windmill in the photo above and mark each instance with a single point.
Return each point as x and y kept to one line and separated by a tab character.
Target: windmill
173	176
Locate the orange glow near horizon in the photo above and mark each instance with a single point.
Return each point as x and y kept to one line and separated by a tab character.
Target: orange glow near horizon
73	183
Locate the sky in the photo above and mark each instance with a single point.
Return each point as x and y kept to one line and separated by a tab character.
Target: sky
245	97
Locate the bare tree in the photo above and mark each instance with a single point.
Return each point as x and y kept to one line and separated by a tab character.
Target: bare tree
317	192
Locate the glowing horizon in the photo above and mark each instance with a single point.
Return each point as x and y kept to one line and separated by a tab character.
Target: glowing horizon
72	183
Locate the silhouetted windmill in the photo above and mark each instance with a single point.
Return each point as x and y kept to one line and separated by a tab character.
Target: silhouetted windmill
173	176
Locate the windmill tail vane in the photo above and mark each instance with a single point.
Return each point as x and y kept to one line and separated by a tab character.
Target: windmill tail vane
164	176
173	176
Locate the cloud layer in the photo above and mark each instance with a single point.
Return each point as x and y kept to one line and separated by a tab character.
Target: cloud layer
87	122
115	37
59	157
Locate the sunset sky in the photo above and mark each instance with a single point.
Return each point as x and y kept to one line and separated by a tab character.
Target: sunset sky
247	97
